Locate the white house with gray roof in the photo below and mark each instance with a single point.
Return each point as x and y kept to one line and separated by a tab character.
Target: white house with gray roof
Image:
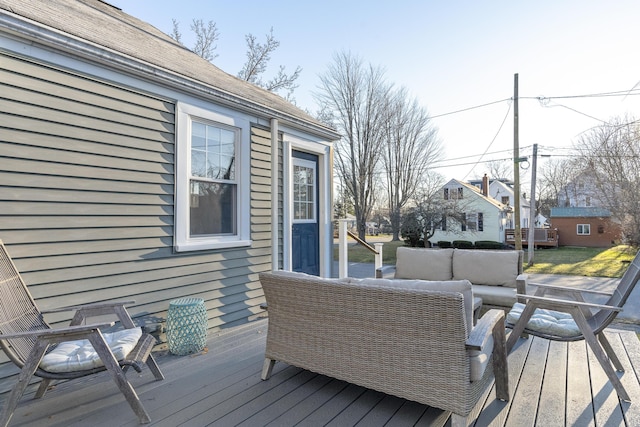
484	218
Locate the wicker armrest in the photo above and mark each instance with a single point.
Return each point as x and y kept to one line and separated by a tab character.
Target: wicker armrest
69	330
484	328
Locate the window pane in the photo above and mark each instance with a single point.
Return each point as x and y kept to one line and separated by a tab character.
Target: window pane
227	142
217	147
304	192
198	135
213	208
198	163
310	193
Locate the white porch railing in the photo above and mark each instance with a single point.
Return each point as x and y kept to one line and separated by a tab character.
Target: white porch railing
343	253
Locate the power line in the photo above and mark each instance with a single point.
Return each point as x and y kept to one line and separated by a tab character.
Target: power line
541	99
470	108
492	141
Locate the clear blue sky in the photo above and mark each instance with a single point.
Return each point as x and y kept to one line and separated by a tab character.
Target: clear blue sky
451	55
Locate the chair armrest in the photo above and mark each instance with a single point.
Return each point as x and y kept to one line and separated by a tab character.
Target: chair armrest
85	311
95	305
560	304
483	329
492	325
58	332
546	287
521	284
385	272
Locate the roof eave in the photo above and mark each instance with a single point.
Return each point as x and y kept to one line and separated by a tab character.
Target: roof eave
25	28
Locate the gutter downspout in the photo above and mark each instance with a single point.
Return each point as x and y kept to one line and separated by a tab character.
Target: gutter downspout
274	195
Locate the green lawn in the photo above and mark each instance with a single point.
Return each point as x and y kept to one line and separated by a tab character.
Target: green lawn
596	262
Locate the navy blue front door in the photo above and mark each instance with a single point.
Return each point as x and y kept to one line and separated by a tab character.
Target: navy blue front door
305	235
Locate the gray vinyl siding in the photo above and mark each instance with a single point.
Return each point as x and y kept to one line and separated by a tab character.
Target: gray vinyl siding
87	201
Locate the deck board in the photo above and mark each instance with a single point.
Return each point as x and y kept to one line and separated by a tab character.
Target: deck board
551	384
552	405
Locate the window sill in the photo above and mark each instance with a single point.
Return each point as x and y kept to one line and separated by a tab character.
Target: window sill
201	246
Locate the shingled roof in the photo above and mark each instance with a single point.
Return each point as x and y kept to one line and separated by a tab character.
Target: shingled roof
580	212
123	37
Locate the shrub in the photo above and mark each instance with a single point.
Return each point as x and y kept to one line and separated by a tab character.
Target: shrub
444	244
462	244
488	244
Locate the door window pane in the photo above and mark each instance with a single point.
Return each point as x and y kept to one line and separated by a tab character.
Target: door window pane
303	193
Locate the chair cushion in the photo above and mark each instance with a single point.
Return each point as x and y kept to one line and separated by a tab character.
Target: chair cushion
546	321
79	355
424	264
479	359
482	267
501	296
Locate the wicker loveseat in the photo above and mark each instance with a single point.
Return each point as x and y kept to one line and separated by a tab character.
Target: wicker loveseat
412	339
496	275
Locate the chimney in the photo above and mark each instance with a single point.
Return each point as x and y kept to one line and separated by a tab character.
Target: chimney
485	185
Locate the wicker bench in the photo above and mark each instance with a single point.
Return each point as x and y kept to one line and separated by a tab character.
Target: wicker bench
412	339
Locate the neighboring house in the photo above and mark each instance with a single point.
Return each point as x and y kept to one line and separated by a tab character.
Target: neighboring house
582	192
502	191
585	226
541	221
131	168
484	218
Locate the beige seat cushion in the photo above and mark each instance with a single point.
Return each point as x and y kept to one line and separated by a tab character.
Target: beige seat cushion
79	355
424	264
501	296
481	267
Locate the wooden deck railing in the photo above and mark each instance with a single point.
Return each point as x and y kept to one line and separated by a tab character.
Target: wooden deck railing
541	236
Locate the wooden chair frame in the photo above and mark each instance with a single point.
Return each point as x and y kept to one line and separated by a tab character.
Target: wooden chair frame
26	337
591	319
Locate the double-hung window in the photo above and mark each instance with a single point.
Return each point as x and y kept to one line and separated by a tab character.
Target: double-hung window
583	229
211	175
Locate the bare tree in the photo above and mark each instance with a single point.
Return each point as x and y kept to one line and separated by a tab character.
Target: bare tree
411	146
258	57
555	175
206	38
356	95
430	212
500	169
612	154
175	33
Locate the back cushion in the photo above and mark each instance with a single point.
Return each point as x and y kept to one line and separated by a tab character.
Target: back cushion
497	268
425	264
461	286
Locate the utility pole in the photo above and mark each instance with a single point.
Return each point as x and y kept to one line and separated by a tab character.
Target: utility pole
516	166
532	208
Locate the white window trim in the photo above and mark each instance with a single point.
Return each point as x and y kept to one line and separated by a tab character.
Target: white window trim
583	227
311	165
182	239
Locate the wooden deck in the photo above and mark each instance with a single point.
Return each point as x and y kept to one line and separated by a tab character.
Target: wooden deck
552	384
